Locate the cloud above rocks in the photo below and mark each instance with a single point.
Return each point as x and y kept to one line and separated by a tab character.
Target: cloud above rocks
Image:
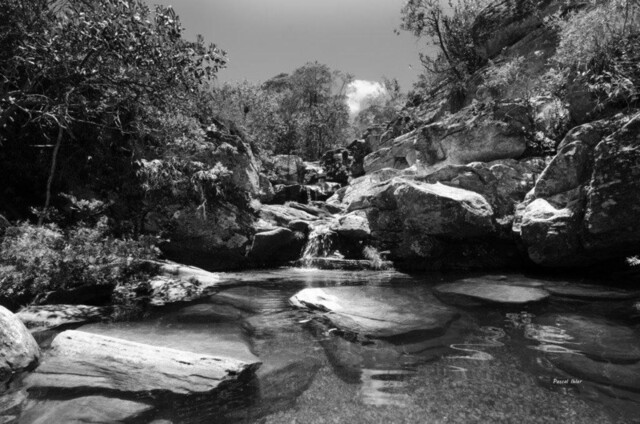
361	91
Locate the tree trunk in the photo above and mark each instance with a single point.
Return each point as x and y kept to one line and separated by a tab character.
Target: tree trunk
52	171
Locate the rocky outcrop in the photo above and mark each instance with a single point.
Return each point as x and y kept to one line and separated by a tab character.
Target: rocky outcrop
276	247
85	362
18	349
476	133
217	238
46	317
584	207
285	169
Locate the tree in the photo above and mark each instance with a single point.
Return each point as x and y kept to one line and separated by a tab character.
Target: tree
84	72
450	31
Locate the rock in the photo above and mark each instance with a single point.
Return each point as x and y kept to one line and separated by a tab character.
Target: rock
345	264
337	165
354	225
209	313
574	290
182	283
503	183
432	226
625	376
266	189
18	349
582	209
376	311
46	317
487	292
11	405
298	193
216	238
360	186
359	150
276	247
472	135
313	173
87	409
596	338
88	294
221	340
85	362
283	216
285	169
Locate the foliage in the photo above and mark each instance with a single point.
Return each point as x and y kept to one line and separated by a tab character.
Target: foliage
39	259
451	32
498	77
81	84
303	113
599	44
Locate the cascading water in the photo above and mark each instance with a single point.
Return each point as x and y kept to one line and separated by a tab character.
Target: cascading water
318	245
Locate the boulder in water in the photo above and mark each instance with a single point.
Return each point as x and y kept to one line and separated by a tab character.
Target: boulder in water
597	338
87	409
376	311
489	292
85	362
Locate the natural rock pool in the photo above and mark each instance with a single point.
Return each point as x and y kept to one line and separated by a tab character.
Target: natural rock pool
377	347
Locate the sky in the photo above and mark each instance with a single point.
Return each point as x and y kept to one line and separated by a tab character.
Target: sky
266	37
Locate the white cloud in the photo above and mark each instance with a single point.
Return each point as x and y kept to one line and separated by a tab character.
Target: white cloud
360	90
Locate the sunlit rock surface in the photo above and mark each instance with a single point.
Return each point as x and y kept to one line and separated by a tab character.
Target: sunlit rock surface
18	349
82	361
584	207
376	311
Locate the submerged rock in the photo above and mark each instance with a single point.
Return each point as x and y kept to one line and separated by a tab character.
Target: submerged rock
18	348
376	311
81	361
88	409
482	291
597	338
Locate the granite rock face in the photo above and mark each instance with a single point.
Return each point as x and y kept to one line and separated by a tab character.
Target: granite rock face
485	133
584	207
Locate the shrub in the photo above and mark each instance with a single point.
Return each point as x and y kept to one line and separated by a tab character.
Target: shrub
600	45
40	259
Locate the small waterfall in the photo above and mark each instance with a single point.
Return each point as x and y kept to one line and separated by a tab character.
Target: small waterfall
318	245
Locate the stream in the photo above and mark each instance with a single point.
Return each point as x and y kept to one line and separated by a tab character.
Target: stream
495	363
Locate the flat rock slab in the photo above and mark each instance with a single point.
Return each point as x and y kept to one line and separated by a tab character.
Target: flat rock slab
83	361
46	317
377	311
84	410
588	291
596	338
487	292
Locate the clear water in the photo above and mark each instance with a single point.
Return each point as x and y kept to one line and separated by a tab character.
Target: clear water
492	365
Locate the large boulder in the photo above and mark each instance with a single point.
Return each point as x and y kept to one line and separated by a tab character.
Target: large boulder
18	349
433	226
584	207
480	132
215	236
376	311
85	362
285	169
